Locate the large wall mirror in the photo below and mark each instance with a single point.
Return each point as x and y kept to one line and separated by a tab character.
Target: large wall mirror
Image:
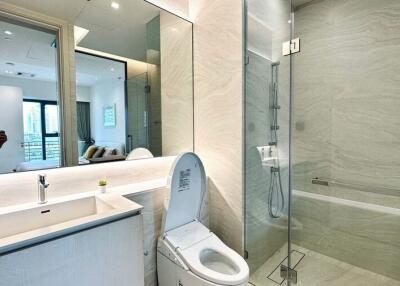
133	93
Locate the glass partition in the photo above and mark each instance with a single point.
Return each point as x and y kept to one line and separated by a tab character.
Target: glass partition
337	104
346	187
267	139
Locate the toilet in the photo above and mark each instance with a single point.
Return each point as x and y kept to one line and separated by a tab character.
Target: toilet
188	253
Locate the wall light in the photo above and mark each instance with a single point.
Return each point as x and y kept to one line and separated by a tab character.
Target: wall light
114	5
79	34
8	32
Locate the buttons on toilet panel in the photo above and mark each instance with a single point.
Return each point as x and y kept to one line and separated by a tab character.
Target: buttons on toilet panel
187	186
167	251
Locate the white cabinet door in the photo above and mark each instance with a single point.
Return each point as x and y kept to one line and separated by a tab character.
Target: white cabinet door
107	255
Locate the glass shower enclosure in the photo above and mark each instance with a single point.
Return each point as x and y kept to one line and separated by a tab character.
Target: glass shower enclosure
322	154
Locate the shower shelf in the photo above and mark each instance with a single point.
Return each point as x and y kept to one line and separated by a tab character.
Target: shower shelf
371	189
269	162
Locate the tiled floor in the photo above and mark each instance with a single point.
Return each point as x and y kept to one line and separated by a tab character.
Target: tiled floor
315	269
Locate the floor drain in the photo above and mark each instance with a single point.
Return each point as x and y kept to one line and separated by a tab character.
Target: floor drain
275	275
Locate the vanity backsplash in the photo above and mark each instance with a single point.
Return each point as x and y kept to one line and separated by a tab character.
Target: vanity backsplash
21	188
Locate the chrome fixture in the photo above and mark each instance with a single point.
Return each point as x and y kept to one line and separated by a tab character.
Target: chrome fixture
42	189
276	199
327	182
291	47
289	274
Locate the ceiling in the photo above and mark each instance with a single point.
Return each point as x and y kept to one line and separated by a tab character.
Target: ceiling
27	51
91	69
30	52
121	32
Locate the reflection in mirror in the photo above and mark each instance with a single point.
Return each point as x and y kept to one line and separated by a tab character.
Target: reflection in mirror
134	85
29	113
101	112
156	47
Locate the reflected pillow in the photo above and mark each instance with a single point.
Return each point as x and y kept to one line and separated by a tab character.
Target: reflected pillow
108	152
99	152
90	152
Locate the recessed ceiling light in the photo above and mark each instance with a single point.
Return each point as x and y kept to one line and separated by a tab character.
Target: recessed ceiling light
8	72
10	64
114	5
8	32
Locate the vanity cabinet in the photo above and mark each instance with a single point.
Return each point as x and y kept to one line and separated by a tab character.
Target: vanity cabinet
106	255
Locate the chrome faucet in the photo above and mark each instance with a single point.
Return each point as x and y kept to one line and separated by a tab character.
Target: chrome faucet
42	189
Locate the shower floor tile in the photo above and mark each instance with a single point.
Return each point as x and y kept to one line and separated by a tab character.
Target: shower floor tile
315	269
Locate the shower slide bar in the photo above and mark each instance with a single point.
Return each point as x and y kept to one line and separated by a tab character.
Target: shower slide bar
371	189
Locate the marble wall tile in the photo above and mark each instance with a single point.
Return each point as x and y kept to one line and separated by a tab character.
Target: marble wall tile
365	110
176	84
346	127
218	109
345	95
364	235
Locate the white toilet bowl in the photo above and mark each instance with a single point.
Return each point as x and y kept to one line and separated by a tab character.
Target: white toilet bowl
188	254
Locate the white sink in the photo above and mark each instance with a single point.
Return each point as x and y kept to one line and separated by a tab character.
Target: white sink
27	224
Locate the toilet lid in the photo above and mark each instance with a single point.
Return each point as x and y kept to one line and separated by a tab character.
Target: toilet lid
187	186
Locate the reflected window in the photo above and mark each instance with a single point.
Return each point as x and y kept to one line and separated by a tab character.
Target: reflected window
41	130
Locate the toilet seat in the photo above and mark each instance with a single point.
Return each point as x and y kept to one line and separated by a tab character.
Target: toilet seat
185	241
223	260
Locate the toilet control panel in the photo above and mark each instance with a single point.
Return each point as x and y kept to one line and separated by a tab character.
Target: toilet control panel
166	250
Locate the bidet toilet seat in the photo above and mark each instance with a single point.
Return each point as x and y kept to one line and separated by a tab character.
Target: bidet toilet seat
212	260
206	255
185	242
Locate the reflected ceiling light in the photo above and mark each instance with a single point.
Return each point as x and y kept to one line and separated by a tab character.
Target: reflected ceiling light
8	72
8	32
114	5
112	69
79	34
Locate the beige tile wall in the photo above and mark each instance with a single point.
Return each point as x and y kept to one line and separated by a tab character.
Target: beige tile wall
346	112
176	84
218	109
346	95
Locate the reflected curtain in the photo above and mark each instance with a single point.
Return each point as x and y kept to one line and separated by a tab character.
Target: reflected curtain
83	117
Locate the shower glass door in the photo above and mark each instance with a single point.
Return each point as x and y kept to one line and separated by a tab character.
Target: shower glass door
340	220
267	99
137	105
345	142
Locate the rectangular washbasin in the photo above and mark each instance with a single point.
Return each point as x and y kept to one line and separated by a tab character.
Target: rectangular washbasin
39	216
33	223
